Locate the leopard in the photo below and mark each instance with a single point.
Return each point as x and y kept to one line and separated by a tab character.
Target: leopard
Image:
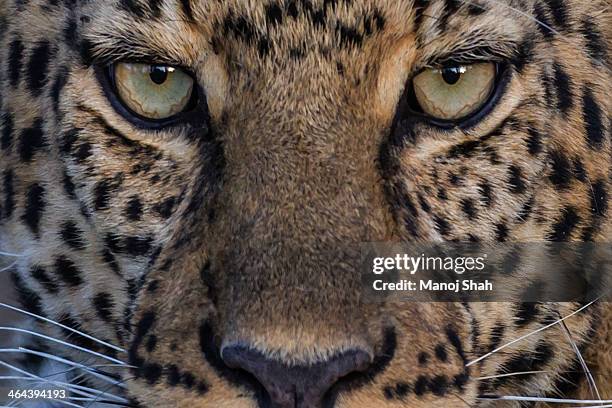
184	184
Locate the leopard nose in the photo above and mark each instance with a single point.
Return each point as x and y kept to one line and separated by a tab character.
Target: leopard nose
298	386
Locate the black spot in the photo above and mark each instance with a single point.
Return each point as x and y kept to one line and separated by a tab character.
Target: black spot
465	149
420	386
402	389
72	235
420	7
596	45
166	207
524	55
526	362
39	273
534	141
9	193
30	301
593	119
151	372
438	385
68	139
442	194
110	260
82	152
103	191
86	52
563	228
151	343
7	131
542	21
579	170
263	46
37	67
70	32
497	335
240	27
389	393
468	208
15	61
103	304
561	170
173	375
454	179
559	12
423	358
31	140
515	180
599	198
501	232
67	271
188	380
441	353
187	9
58	85
476	9
274	14
132	6
349	36
153	286
34	207
137	246
563	85
526	312
133	210
486	192
424	205
442	226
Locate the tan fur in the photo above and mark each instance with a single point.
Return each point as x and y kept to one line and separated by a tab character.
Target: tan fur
241	220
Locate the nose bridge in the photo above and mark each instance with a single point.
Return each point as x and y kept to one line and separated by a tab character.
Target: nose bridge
300	193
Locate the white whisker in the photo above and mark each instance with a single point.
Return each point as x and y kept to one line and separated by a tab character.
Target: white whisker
530	334
7	268
10	254
80	389
585	367
542	399
491	377
73	364
16	309
105	357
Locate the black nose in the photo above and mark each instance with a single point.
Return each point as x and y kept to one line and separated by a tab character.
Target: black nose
296	386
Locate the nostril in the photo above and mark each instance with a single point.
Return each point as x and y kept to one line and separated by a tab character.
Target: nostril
301	386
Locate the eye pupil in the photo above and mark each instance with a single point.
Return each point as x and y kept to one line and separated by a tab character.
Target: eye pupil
158	74
451	75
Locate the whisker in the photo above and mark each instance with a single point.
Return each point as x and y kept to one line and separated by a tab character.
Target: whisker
16	309
491	377
530	334
585	367
542	399
85	391
7	268
10	254
105	357
97	398
93	372
32	377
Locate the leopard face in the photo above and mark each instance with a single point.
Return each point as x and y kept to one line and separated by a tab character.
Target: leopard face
201	245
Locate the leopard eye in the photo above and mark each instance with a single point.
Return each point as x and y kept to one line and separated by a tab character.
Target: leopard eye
153	91
456	91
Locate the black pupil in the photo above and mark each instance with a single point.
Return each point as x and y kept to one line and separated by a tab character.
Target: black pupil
451	75
158	74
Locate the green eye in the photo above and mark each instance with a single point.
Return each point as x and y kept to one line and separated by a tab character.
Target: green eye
454	92
153	91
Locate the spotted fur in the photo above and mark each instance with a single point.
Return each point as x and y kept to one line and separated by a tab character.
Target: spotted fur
174	243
